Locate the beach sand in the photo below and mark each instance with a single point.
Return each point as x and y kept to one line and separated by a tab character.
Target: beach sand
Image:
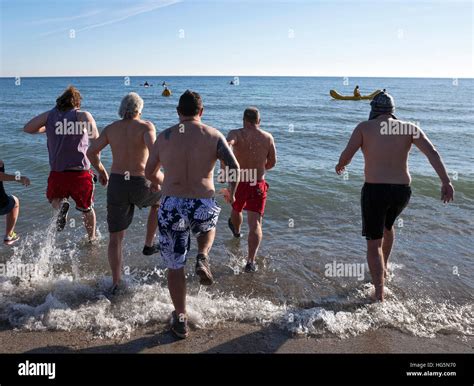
231	338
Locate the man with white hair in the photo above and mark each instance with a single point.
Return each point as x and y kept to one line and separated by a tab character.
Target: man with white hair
131	139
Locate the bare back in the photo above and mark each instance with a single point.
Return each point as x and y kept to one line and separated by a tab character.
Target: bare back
188	153
130	141
386	151
252	147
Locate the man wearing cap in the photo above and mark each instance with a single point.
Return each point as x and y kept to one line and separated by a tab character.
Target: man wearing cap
386	191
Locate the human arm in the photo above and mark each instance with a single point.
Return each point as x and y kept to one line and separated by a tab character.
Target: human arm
91	126
422	142
152	168
93	154
272	156
225	155
37	125
4	177
355	142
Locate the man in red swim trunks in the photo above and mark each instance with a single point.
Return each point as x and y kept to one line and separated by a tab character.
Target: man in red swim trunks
255	151
69	130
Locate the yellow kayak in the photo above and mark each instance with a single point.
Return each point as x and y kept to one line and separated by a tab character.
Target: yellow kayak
166	92
336	95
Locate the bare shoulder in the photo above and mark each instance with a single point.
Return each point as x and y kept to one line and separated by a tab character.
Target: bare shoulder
147	125
84	115
165	135
268	136
211	131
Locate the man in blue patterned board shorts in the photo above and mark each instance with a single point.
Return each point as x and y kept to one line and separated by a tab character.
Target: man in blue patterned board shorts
178	217
188	153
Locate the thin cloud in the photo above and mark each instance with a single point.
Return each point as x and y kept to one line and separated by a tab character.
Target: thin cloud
67	18
117	16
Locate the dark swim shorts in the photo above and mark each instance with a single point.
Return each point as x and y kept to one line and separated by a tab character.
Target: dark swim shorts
381	205
177	218
123	194
8	206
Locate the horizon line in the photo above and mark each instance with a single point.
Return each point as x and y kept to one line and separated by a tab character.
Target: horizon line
239	76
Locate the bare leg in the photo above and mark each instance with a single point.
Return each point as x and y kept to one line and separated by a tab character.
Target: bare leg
387	244
376	266
12	217
151	226
56	203
90	223
255	234
237	219
115	255
205	241
177	288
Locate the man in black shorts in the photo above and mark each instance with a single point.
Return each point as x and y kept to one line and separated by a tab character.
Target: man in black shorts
385	143
10	205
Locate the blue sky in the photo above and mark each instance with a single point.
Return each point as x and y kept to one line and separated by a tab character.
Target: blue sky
197	37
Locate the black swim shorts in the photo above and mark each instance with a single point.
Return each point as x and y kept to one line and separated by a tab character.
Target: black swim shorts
381	205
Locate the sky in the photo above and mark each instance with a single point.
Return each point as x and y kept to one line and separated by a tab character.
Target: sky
236	38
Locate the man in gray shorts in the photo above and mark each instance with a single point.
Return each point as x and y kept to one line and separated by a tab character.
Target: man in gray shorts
131	139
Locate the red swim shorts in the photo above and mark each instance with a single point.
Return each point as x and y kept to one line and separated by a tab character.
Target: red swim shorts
79	185
251	196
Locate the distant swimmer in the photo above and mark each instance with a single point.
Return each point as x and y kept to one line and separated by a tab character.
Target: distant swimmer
163	84
131	140
357	92
188	152
166	92
386	191
256	153
69	130
232	82
10	204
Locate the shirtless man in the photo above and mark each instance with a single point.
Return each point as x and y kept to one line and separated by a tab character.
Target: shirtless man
130	139
385	143
255	151
188	153
69	130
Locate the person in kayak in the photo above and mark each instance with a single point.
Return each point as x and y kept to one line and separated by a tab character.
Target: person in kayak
10	205
357	92
386	191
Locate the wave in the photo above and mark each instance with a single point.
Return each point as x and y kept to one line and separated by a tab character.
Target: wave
53	299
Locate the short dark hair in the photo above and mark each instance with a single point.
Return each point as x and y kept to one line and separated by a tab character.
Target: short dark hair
190	103
70	99
251	114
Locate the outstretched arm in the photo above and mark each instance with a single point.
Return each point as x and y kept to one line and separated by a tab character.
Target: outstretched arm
37	125
426	147
225	155
93	154
354	144
10	177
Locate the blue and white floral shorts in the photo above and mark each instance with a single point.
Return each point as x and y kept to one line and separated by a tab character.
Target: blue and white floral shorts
177	218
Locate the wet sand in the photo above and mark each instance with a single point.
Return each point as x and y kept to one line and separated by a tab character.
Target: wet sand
231	338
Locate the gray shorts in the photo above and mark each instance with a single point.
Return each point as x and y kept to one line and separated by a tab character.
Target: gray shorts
123	194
